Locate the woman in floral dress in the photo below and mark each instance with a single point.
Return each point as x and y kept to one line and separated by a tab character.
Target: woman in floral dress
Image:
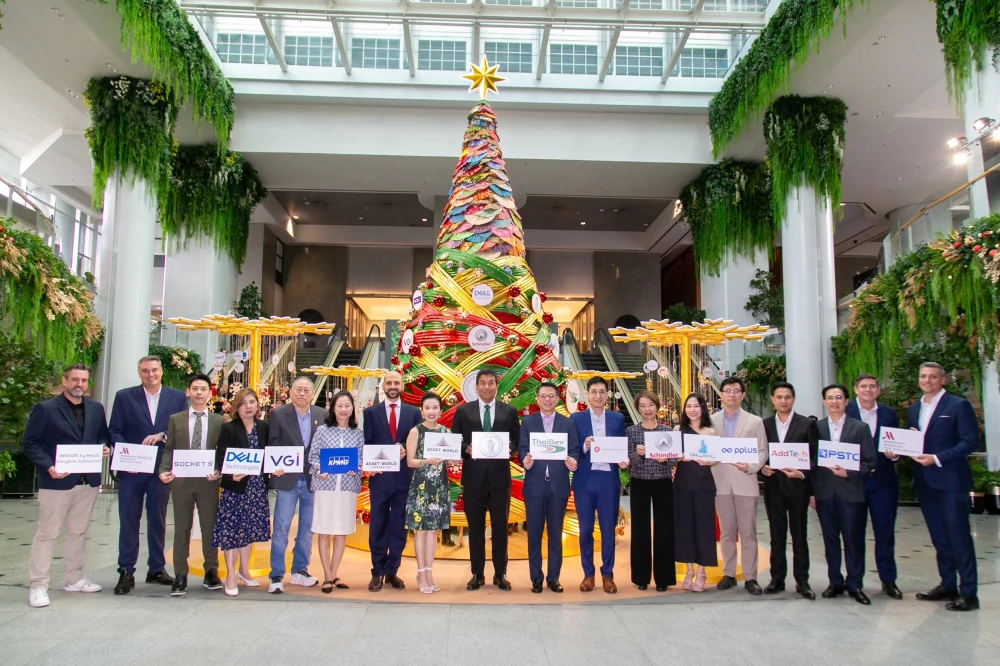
428	505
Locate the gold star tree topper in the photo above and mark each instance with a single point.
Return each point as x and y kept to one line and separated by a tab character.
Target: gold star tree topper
484	76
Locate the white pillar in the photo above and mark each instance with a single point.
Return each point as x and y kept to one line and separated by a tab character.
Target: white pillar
253	265
65	228
125	283
808	309
828	325
723	297
198	281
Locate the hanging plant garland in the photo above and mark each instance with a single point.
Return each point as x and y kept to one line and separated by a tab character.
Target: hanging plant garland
805	147
968	31
131	127
728	208
211	193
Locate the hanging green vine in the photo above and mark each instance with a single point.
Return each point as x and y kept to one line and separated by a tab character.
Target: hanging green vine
968	30
797	29
805	146
42	302
949	286
159	32
131	129
211	193
728	208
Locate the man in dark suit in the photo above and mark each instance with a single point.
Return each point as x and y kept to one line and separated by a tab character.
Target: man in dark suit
65	420
389	422
197	428
596	486
840	497
942	479
139	416
882	486
787	492
293	425
486	483
546	486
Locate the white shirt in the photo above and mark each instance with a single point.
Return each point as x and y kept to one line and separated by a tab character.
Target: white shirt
782	428
869	416
204	429
927	411
388	410
597	425
836	427
152	402
493	412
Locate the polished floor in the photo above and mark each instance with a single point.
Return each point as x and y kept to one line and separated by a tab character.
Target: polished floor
489	626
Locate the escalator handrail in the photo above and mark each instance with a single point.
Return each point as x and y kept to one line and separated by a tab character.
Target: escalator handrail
603	342
331	357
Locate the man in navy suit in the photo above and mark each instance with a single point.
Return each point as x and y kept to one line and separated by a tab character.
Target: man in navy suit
546	485
65	420
139	415
942	479
390	421
596	486
882	486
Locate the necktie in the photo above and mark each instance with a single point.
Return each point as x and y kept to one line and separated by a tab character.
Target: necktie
486	419
392	421
196	436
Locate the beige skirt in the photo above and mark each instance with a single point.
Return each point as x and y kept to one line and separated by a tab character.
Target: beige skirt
335	512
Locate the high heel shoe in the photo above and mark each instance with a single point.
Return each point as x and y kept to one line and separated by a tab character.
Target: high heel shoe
699	582
434	587
232	592
424	589
249	582
688	580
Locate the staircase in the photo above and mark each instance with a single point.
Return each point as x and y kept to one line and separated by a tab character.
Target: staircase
595	362
307	358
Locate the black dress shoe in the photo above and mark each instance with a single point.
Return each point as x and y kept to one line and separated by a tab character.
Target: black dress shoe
727	583
804	591
500	580
774	587
964	603
180	586
126	582
860	597
662	588
642	587
753	587
555	586
212	581
938	594
375	584
475	582
536	586
448	542
394	582
160	578
832	591
892	591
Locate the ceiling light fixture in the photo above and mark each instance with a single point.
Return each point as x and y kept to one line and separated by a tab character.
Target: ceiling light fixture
582	223
295	217
962	146
423	219
963	156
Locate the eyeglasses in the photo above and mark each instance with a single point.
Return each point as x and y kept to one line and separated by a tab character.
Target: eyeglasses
732	392
835	397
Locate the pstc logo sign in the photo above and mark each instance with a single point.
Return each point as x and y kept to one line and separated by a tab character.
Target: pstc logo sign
838	455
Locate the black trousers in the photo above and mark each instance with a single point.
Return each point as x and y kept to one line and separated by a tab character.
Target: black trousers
479	499
653	559
694	513
787	514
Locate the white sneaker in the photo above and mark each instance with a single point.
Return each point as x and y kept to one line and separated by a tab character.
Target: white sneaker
38	597
276	586
82	585
303	578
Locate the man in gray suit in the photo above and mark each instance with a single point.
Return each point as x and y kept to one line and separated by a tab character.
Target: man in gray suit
293	425
197	428
736	488
840	496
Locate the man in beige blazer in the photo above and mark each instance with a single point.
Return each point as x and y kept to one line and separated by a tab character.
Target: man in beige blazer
196	428
736	488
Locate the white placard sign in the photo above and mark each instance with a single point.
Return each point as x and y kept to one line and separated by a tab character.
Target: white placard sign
836	454
469	387
792	455
491	445
407	340
243	461
549	445
444	445
739	450
609	450
134	458
287	458
663	445
482	294
536	304
79	458
380	458
418	299
192	464
901	442
702	447
481	338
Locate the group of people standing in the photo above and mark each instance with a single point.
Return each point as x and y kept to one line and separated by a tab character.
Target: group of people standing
674	502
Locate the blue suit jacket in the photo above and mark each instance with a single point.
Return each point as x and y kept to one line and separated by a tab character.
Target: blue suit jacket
952	434
130	415
376	427
614	426
534	478
884	477
51	423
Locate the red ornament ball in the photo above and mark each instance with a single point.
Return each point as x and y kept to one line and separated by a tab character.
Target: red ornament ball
406	366
430	284
542	296
993	253
977	248
540	349
421	380
958	244
581	406
414	350
395	359
365	517
514	291
439	301
548	318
